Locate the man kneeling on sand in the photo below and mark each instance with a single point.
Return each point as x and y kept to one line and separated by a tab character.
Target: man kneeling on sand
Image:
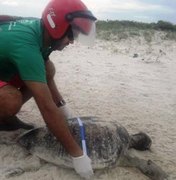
26	71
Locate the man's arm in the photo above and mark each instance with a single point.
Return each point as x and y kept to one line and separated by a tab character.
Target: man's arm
57	97
50	72
53	117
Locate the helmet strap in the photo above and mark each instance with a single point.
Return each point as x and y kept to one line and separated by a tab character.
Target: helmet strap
57	42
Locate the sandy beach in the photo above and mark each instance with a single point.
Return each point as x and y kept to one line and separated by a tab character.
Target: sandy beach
131	82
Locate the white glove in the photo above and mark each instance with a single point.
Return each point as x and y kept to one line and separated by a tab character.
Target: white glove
67	111
82	166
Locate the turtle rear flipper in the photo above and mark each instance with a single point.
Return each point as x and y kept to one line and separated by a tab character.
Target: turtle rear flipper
140	141
149	168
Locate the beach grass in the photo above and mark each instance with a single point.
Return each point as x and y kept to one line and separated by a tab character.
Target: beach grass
120	30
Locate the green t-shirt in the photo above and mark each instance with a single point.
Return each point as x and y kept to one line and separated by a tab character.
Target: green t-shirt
21	50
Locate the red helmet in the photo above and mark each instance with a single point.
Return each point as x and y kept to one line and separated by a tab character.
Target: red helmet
60	14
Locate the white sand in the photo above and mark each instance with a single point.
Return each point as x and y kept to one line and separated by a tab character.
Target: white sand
107	81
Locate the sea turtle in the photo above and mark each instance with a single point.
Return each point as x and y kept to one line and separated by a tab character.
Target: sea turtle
107	146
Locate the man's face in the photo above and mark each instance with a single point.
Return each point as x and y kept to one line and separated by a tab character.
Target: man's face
61	44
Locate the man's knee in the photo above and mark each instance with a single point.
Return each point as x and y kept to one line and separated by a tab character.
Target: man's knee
10	101
50	70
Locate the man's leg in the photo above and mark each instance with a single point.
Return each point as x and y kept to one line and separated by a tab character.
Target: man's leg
11	100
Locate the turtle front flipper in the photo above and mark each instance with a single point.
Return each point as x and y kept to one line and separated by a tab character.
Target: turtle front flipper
140	141
149	168
30	164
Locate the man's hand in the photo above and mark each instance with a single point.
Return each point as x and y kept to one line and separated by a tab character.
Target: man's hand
66	111
82	166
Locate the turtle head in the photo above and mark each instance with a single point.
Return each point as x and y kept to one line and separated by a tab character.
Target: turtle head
140	141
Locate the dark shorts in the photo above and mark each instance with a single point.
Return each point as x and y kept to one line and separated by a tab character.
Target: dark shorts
15	81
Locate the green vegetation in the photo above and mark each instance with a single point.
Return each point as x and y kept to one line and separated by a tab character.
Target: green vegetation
125	29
